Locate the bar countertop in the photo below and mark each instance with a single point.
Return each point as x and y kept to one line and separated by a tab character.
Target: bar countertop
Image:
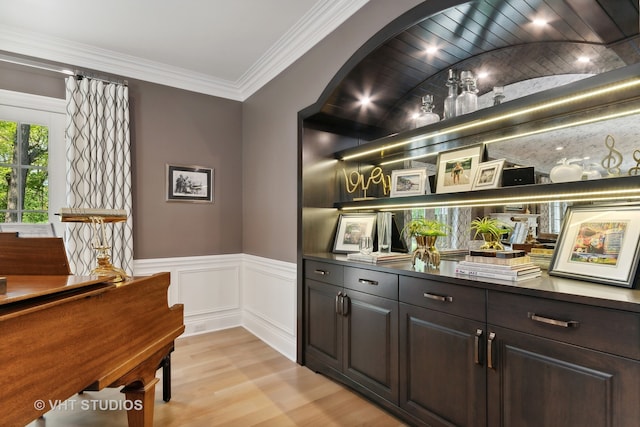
545	286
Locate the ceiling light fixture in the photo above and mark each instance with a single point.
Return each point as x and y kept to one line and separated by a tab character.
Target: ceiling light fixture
431	50
539	22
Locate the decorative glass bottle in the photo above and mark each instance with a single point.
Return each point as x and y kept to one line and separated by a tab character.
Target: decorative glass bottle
427	115
498	95
467	101
450	100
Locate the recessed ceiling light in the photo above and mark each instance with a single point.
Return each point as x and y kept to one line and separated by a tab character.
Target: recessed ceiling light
584	59
539	22
483	75
559	148
365	100
431	50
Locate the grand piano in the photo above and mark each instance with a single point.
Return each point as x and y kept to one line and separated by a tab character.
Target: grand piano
63	334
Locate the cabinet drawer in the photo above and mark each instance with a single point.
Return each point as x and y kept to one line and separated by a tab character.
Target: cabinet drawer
372	282
611	331
452	299
324	272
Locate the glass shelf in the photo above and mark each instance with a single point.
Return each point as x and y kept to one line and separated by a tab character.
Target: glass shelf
616	189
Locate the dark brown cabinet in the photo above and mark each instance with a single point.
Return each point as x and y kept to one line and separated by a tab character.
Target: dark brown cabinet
351	329
443	353
555	363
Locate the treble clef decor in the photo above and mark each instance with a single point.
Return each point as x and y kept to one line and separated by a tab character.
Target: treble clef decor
636	169
612	161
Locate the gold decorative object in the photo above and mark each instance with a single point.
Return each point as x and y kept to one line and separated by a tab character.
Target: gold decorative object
355	180
612	161
636	169
426	251
97	218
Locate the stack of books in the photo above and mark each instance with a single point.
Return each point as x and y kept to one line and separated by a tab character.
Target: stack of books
505	265
378	257
541	257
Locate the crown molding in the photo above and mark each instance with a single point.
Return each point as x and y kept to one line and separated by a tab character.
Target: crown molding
321	20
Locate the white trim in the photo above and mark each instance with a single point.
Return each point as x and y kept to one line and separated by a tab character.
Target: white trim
32	102
314	26
256	293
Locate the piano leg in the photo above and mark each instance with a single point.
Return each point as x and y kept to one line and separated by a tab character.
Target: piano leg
138	393
166	377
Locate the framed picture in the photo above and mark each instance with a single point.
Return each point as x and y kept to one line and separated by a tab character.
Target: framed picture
599	244
489	175
457	169
409	182
350	229
189	184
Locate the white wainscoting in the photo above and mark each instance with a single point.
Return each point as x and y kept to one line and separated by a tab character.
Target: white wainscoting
224	291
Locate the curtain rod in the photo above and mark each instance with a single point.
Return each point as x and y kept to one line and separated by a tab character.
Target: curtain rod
36	64
102	78
26	62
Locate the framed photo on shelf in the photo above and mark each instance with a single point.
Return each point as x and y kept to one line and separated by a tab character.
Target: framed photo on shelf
189	184
457	169
351	227
409	182
488	175
599	244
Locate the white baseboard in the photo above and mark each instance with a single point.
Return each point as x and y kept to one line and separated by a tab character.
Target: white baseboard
225	291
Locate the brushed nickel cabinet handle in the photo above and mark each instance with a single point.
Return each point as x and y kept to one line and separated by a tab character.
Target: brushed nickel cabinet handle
490	361
338	305
321	272
441	298
345	305
476	352
368	282
554	322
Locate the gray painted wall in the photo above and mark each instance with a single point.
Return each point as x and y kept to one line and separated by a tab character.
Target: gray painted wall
269	137
252	146
175	126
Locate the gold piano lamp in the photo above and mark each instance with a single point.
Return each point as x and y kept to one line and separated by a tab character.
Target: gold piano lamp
97	218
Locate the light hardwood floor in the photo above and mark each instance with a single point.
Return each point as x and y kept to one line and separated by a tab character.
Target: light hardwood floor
231	378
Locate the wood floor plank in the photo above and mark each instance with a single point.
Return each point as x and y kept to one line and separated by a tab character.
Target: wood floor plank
231	378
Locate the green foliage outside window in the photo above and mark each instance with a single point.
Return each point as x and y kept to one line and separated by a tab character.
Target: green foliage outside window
24	186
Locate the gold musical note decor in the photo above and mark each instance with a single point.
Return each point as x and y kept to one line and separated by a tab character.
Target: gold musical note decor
355	180
612	161
636	169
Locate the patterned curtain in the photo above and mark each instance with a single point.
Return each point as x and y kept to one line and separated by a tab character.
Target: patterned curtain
98	168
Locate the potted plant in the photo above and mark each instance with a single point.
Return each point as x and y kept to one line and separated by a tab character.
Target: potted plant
426	232
490	229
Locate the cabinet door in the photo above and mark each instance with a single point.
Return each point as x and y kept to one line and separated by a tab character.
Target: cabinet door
442	367
538	382
371	343
324	324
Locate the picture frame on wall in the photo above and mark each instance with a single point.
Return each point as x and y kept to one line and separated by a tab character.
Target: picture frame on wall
599	244
488	175
189	184
409	182
351	227
457	169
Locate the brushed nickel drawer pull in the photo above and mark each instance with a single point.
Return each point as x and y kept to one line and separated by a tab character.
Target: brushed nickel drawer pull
368	282
554	322
441	298
321	272
476	351
490	361
338	303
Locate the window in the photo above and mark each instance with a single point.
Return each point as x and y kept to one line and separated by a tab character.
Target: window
24	183
32	163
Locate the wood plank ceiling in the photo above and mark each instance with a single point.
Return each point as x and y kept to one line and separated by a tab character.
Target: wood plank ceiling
493	36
